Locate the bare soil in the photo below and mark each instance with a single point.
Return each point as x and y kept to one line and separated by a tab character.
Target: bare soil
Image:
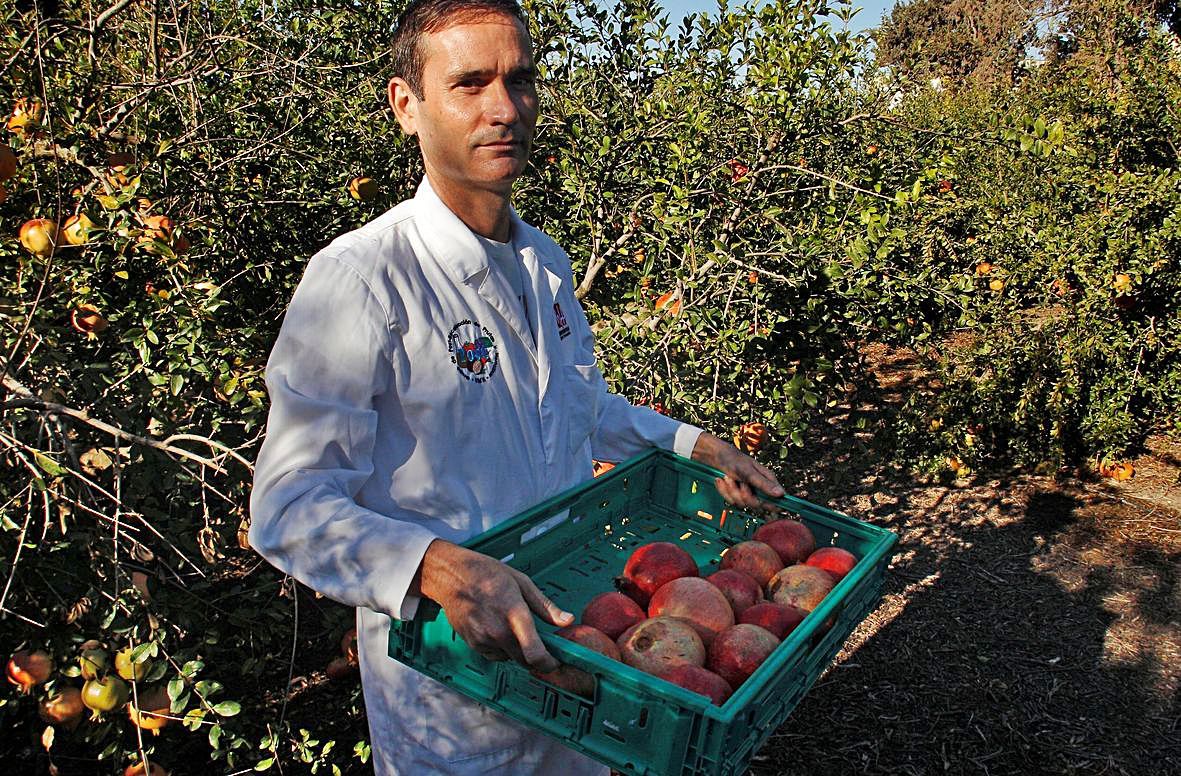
1029	624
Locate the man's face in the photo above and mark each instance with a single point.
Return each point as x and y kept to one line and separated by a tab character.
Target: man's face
478	110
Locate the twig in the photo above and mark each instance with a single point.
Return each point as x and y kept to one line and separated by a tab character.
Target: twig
102	19
46	406
19	546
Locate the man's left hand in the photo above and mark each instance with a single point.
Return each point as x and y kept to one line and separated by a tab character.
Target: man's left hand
744	475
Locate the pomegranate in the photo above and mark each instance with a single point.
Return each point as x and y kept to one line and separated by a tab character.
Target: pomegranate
29	668
697	602
612	613
778	619
129	669
137	769
738	651
151	713
93	661
651	566
834	560
573	679
63	707
76	230
103	695
754	558
348	645
86	319
339	668
701	681
791	539
25	116
38	236
658	644
7	162
363	189
740	589
800	585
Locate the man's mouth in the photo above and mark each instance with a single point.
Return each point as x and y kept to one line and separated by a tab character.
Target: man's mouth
502	145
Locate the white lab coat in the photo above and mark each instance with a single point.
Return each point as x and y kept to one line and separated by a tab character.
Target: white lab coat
409	401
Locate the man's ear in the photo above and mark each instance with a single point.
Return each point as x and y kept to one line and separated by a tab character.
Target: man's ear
404	103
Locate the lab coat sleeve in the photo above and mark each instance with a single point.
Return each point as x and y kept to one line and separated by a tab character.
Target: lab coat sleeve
333	355
623	429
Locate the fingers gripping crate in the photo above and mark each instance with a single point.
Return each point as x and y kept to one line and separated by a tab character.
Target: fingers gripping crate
572	546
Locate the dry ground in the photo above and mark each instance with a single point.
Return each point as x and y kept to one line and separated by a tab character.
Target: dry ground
1029	625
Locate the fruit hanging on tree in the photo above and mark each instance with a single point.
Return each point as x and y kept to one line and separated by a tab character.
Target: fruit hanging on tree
104	695
130	669
363	189
63	707
39	235
750	437
7	163
29	668
151	711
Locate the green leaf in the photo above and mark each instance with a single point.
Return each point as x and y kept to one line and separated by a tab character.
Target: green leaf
227	708
48	465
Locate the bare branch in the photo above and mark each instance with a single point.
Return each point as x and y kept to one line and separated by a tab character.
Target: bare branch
46	406
102	19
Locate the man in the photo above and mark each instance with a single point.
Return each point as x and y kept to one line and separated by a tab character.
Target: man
435	375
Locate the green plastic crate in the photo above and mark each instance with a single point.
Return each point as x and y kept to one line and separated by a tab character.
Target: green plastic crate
572	546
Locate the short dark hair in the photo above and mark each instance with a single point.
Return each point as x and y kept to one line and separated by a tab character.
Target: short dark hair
422	17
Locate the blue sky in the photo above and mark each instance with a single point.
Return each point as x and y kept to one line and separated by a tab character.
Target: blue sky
870	14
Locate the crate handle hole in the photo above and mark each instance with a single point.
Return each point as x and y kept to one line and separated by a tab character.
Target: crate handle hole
644	717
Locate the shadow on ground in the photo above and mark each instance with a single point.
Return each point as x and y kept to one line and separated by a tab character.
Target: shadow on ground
1028	626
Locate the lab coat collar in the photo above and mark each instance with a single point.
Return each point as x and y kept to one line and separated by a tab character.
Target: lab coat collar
455	246
459	251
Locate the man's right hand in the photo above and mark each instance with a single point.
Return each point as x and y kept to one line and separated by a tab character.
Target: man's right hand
489	604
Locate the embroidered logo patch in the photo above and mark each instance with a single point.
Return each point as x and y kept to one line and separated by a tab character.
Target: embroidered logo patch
563	327
473	351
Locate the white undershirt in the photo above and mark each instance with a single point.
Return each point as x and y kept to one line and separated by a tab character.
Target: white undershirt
503	256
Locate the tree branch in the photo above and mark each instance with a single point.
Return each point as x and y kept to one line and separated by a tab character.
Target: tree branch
61	409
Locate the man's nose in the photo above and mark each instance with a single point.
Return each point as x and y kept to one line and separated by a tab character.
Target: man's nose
501	106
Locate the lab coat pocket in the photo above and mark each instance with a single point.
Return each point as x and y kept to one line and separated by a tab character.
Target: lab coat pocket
582	403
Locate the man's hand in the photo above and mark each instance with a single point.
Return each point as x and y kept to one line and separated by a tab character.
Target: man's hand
743	473
489	604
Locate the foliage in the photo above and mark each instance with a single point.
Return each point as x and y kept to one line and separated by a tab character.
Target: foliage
1073	353
957	41
991	43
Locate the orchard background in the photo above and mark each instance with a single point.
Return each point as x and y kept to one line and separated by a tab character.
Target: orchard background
757	203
